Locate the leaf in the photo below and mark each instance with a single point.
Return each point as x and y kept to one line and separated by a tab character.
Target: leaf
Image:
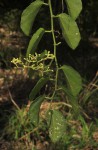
87	95
37	87
28	16
72	100
35	41
57	126
48	117
74	7
73	79
70	30
34	110
43	54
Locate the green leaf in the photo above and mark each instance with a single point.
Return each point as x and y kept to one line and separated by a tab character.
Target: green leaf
35	41
74	7
48	117
73	79
70	30
37	87
87	95
57	126
28	16
43	54
34	110
72	100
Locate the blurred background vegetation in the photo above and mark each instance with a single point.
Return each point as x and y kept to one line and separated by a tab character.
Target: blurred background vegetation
13	43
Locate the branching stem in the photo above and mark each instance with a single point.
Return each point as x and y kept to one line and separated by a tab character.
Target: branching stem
54	45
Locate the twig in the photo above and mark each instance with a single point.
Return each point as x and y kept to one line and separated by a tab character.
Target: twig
13	100
86	116
94	85
24	136
94	81
90	87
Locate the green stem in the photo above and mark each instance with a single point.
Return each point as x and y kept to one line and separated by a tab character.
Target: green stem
54	44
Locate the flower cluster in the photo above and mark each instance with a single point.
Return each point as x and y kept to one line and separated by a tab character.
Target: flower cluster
39	62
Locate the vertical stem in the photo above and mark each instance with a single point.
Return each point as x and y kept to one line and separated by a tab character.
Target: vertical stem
54	43
62	6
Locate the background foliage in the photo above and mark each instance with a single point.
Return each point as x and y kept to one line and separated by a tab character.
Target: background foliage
84	58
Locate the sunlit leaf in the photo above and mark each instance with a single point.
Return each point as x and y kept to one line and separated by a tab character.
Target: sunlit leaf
73	79
42	81
74	7
57	126
70	30
35	41
28	16
34	110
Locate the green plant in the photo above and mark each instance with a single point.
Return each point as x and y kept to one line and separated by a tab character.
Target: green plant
18	124
86	132
47	65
